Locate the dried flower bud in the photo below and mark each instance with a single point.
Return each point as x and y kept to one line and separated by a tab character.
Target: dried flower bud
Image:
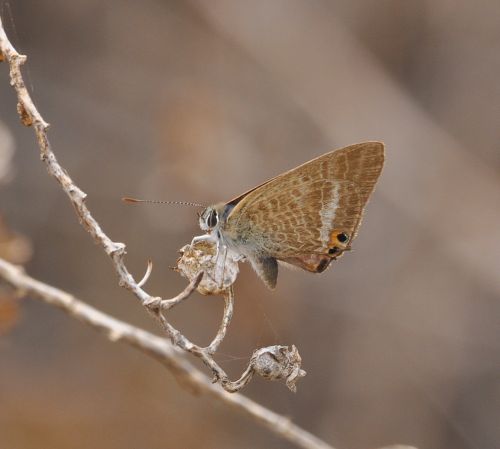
277	363
220	270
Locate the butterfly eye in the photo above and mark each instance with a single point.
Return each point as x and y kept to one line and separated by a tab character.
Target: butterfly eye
212	219
342	237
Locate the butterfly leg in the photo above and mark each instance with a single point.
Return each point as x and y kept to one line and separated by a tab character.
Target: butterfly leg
220	262
224	264
201	238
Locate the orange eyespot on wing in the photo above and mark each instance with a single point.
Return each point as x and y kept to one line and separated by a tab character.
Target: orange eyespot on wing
339	238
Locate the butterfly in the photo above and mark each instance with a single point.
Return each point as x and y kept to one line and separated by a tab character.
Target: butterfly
306	217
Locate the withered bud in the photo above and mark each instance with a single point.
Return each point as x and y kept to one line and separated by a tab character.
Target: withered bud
278	363
220	270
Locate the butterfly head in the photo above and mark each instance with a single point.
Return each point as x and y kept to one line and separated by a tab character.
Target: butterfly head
214	217
210	218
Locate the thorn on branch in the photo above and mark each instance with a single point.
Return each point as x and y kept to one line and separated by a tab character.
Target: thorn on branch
145	278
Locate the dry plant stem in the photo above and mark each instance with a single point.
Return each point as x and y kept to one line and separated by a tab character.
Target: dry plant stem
158	348
114	329
205	354
161	350
115	250
226	319
166	304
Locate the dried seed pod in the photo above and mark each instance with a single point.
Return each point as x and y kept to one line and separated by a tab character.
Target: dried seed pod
221	270
278	363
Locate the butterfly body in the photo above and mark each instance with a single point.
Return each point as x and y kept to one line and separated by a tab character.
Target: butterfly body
305	217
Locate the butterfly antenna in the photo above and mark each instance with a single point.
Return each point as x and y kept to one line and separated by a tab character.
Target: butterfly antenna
182	203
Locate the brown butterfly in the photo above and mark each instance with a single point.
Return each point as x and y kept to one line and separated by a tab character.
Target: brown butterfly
305	217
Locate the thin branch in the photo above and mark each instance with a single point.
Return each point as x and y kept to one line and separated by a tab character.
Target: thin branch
205	354
228	314
161	350
116	250
263	361
116	330
158	348
166	304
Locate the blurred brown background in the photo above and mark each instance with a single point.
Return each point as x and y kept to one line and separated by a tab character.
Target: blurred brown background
200	100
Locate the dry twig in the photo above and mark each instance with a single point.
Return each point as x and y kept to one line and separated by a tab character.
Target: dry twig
115	329
277	362
116	251
158	348
161	350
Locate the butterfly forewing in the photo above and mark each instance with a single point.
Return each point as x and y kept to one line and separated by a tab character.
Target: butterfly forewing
309	215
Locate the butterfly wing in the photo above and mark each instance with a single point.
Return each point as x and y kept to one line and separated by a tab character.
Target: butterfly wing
310	214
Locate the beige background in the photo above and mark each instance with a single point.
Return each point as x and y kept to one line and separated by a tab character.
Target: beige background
201	100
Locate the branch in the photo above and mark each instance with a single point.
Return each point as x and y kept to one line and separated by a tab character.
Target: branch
270	362
158	348
161	350
203	261
117	330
